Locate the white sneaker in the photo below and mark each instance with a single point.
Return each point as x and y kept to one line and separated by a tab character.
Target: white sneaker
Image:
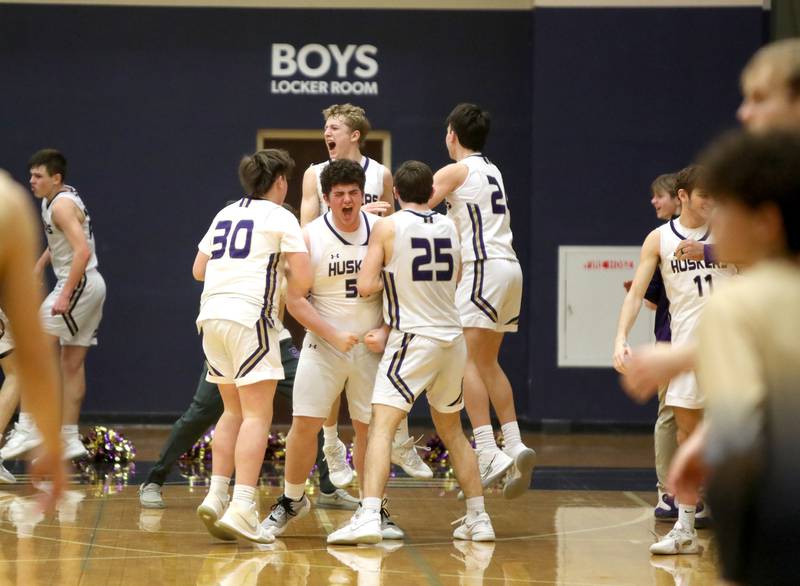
405	455
341	474
492	464
677	541
19	440
389	529
338	499
150	496
474	528
73	447
5	476
210	511
283	512
364	527
242	521
520	478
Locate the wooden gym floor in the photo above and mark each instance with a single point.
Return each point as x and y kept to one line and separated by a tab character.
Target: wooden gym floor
588	520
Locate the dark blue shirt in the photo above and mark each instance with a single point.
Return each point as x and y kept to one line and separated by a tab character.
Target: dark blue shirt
657	294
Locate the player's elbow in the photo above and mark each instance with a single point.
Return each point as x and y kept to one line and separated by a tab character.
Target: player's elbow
367	286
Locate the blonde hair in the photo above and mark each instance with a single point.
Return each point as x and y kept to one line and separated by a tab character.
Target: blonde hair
353	116
783	58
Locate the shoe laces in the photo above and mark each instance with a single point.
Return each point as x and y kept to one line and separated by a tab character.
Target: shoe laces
410	447
385	512
285	503
337	460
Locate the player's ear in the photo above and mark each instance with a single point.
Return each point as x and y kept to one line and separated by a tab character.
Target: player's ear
355	136
394	192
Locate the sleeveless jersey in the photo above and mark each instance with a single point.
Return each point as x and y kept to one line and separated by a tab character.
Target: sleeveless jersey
373	186
480	211
688	283
60	250
419	283
336	260
245	271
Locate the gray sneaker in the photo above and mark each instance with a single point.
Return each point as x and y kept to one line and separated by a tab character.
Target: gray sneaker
150	496
284	511
339	499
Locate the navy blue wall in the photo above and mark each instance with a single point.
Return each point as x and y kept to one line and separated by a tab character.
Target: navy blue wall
153	108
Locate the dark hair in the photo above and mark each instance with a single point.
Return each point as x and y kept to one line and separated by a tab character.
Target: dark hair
342	172
414	182
258	172
665	183
471	125
689	178
756	170
52	160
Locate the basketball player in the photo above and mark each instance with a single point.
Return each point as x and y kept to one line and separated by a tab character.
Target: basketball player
34	359
345	134
489	293
73	310
241	261
417	252
688	285
9	392
333	357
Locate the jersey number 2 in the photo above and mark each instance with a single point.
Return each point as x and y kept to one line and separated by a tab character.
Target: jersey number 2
440	256
221	240
498	199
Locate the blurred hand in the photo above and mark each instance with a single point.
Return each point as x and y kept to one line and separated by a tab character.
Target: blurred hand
375	340
690	250
49	468
344	341
649	367
688	470
377	207
622	353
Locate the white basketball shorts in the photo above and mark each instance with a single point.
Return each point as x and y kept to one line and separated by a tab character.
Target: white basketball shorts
489	294
78	326
240	355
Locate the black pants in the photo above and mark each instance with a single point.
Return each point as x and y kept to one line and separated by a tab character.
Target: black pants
206	409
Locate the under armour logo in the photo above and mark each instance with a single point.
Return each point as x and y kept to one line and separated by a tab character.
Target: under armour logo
333	256
314	346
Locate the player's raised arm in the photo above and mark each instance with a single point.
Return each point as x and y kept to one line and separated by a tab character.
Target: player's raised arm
67	218
309	204
369	278
446	181
648	264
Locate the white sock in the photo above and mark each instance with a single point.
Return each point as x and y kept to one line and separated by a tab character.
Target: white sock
69	430
511	435
686	516
401	435
219	485
371	504
294	491
25	419
484	438
331	435
475	506
244	494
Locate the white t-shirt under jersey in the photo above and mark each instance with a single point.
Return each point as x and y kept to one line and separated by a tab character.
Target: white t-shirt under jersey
245	271
336	259
373	186
419	283
688	283
480	211
60	250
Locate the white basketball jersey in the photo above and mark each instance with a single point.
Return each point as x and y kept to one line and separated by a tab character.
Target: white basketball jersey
336	260
373	186
480	211
688	283
60	250
419	283
245	272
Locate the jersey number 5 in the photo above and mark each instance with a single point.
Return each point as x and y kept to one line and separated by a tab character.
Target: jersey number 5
221	240
440	256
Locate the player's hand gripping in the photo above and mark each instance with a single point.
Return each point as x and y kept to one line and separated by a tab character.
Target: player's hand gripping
377	207
344	341
375	340
690	250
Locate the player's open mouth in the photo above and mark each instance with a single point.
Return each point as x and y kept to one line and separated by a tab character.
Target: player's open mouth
331	145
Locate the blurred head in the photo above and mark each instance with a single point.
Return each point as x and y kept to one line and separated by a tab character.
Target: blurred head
771	87
696	205
48	169
413	182
755	179
665	196
346	129
342	183
264	171
468	127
